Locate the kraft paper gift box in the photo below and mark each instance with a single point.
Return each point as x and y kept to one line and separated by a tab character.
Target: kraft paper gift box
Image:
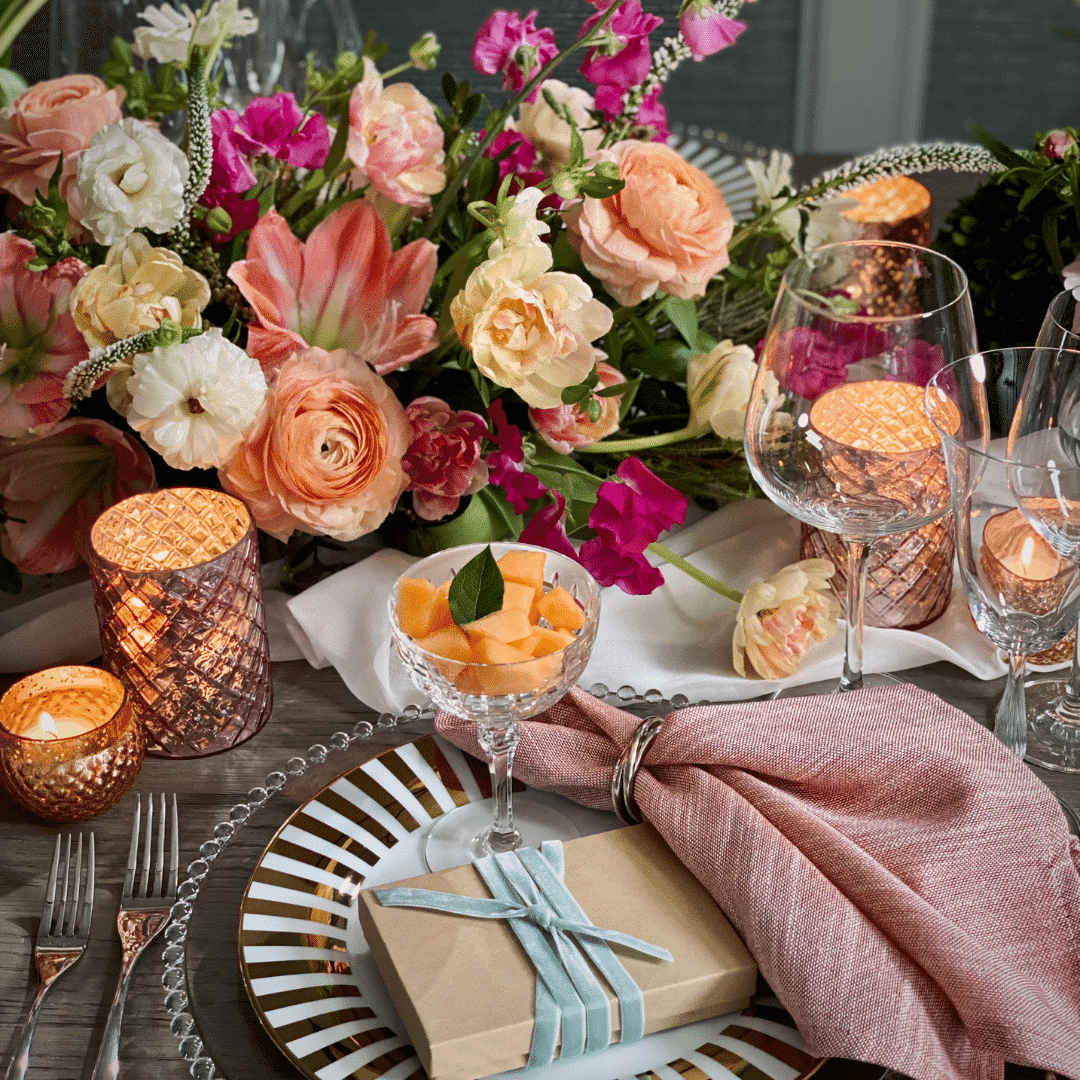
464	987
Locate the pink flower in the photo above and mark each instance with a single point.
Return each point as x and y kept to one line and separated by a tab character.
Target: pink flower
58	116
566	429
230	177
817	359
1055	144
547	528
505	464
345	288
443	461
273	126
395	142
325	453
519	162
53	489
509	44
621	57
653	115
705	30
39	342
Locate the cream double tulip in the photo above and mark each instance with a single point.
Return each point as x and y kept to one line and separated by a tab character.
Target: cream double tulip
718	385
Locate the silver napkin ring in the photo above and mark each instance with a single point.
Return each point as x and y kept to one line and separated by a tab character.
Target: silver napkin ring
622	780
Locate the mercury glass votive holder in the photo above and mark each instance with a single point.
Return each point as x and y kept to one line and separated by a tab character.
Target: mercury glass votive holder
70	743
178	596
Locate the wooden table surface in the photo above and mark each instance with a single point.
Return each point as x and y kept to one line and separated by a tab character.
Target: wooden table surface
309	707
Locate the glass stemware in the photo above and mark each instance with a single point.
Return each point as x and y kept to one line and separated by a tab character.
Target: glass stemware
836	434
496	696
1017	517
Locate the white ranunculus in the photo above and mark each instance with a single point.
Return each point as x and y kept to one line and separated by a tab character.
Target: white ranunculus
131	177
718	389
194	402
169	31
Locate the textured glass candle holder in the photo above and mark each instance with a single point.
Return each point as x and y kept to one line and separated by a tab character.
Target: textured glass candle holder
75	778
179	605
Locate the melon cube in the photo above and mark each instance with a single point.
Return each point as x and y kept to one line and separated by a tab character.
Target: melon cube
517	678
504	626
526	567
491	651
544	642
561	610
517	594
441	614
416	606
448	641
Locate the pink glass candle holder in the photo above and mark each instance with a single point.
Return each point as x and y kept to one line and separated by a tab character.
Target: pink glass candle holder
70	744
179	604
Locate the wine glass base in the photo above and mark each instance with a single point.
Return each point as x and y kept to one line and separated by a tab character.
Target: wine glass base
831	686
460	836
1053	743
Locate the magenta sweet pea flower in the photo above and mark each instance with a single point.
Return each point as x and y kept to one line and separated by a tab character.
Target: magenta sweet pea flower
547	528
443	460
705	30
276	126
230	176
621	58
505	467
653	115
520	162
818	360
511	45
632	572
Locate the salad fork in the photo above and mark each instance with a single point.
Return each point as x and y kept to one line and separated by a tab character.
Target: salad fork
62	935
144	912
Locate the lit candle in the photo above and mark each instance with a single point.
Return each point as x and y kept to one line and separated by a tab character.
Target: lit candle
70	745
1023	569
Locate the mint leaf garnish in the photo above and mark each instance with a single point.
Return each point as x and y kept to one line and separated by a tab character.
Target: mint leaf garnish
477	589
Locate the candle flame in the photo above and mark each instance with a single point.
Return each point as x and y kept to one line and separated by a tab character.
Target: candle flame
48	725
1027	549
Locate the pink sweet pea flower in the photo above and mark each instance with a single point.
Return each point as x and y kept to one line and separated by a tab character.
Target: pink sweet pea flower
653	115
344	288
621	58
443	460
520	162
705	30
273	126
547	528
53	489
230	177
39	342
509	44
505	464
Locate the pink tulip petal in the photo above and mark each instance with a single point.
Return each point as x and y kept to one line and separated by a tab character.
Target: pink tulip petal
271	273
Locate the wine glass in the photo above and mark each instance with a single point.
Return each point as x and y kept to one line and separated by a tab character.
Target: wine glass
496	696
836	434
1017	534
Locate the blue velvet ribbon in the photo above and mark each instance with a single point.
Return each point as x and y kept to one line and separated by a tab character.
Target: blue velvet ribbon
571	1005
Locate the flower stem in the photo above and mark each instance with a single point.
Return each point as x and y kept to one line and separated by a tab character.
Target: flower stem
698	575
643	442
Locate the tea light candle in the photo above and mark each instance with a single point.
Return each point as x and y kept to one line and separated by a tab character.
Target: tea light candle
70	745
1023	569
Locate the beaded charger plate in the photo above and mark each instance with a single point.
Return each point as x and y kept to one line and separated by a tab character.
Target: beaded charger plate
314	986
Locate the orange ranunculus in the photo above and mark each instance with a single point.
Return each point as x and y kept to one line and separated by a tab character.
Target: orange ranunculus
54	117
667	229
325	454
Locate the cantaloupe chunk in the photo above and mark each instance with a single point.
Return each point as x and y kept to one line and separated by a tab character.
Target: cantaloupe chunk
526	567
416	606
561	610
491	651
448	641
544	642
516	678
506	625
516	594
441	608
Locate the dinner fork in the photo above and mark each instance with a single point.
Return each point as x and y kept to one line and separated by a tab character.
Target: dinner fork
144	912
62	935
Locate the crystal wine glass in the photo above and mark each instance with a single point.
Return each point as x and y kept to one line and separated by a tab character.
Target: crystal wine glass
496	696
836	434
1017	536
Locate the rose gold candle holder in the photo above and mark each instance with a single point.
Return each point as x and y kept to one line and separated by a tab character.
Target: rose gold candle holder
74	778
179	606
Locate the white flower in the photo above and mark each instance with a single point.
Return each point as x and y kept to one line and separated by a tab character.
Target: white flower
517	225
718	388
194	402
131	177
550	133
168	35
1071	277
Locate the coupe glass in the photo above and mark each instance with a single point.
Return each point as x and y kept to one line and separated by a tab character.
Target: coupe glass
836	434
530	686
1017	537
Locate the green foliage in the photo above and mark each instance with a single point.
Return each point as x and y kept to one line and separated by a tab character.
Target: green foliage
45	224
146	98
477	589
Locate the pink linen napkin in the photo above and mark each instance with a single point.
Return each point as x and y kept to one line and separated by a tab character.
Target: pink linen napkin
908	888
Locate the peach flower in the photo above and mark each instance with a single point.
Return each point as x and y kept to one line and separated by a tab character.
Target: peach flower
565	428
395	142
58	116
667	229
325	453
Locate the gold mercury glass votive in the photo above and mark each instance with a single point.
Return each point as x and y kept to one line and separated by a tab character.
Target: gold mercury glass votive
179	605
70	744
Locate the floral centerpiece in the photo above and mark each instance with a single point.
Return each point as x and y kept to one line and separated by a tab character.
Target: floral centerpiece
366	312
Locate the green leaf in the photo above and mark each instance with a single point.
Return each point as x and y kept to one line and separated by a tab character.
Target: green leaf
666	360
683	316
477	589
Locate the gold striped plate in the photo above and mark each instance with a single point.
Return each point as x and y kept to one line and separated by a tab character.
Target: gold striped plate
311	979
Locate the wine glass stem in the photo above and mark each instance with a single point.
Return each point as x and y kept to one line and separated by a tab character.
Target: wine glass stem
1010	721
499	742
858	554
1068	708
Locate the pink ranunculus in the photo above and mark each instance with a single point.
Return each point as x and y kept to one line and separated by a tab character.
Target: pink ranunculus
52	490
621	58
395	141
276	126
511	45
443	461
506	465
1056	144
231	176
653	116
39	342
325	453
705	30
566	429
58	116
344	288
667	229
